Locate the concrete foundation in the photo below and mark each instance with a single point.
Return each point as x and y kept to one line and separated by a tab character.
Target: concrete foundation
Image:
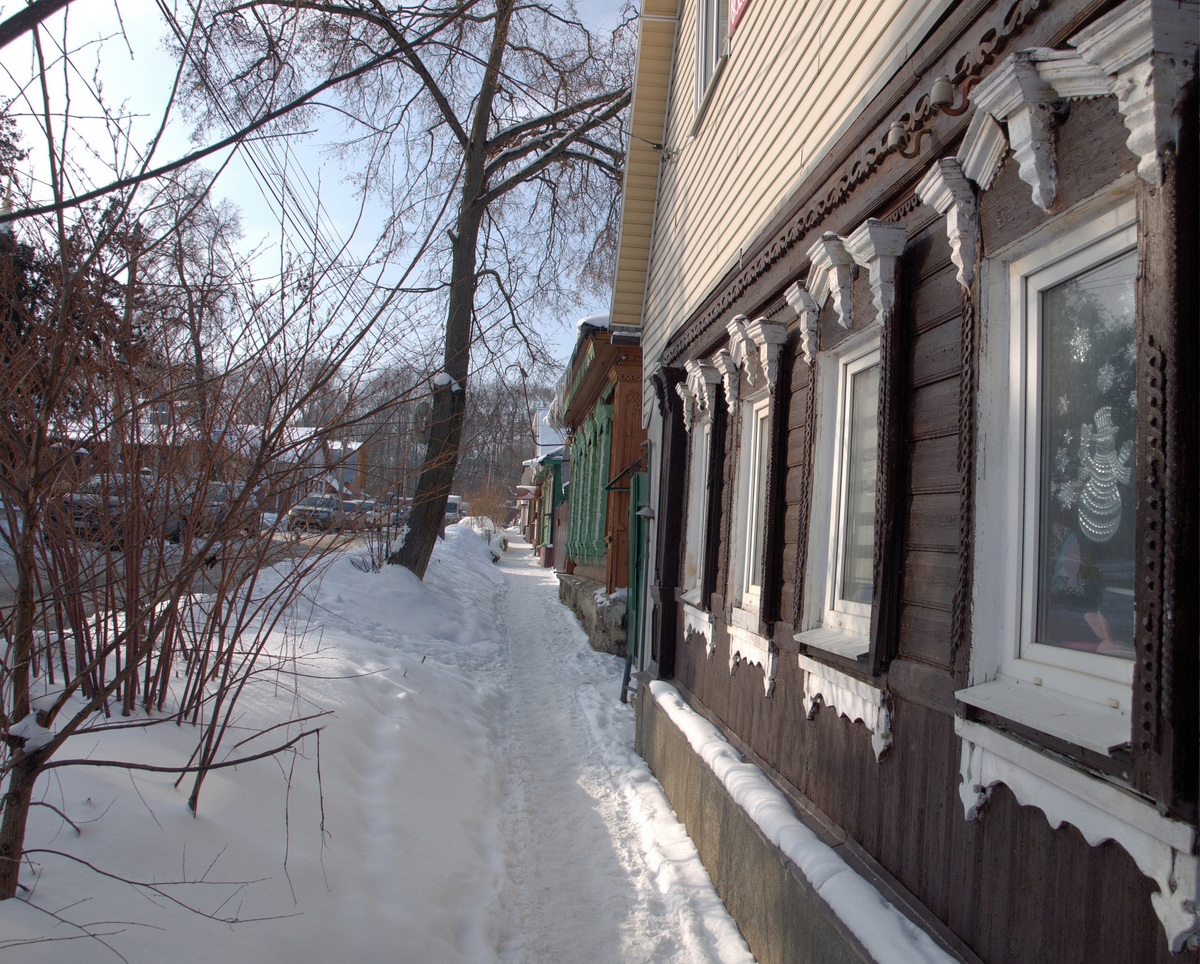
603	619
779	914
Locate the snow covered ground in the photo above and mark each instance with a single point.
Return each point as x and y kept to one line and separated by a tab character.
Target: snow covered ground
474	796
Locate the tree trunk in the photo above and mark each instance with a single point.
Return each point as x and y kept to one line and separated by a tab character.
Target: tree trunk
21	779
450	401
449	408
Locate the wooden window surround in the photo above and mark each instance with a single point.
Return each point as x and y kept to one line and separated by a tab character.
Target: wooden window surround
838	624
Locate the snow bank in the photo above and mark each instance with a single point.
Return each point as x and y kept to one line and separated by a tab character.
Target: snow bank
889	936
392	843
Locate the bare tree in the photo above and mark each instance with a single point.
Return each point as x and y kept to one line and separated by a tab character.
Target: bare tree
499	124
146	586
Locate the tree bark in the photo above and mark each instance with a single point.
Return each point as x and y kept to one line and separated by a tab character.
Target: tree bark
21	779
450	401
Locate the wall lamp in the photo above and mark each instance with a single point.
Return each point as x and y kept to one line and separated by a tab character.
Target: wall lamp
941	100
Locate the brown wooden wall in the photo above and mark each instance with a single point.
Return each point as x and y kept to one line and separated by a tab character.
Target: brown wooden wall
1008	884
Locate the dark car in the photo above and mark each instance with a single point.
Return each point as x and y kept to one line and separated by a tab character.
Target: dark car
206	507
317	512
101	508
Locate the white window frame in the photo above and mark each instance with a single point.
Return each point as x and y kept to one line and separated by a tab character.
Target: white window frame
831	623
697	509
756	434
712	52
1083	698
839	612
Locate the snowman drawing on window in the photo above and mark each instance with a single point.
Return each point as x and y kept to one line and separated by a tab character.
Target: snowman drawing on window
1101	468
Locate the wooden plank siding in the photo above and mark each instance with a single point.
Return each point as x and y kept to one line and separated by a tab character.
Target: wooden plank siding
905	811
726	182
930	318
1004	883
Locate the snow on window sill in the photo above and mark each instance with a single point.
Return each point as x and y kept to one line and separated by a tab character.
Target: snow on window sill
840	642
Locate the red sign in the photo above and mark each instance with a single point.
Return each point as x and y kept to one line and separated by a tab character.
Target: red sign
736	9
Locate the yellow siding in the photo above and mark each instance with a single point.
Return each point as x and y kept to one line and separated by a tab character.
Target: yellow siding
798	74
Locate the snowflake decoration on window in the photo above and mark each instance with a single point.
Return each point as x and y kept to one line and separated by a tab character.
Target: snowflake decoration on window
1106	377
1081	344
1133	400
1063	404
1067	494
1068	437
1062	459
1130	352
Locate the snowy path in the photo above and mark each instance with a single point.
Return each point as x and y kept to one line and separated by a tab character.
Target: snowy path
588	880
478	801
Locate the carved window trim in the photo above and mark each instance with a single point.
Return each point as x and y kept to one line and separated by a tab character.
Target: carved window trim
1008	677
749	369
1143	53
699	395
876	246
843	631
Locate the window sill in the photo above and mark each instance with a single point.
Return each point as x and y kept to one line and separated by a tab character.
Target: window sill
1074	721
839	642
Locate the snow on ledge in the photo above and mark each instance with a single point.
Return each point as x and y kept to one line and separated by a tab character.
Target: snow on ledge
889	936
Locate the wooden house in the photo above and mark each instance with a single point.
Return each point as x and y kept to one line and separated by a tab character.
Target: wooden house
916	281
598	406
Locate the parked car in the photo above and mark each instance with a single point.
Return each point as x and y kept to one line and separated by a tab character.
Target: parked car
371	514
317	512
99	508
350	512
205	507
456	509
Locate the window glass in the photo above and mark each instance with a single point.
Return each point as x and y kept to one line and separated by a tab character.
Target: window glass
858	547
1088	418
759	496
710	38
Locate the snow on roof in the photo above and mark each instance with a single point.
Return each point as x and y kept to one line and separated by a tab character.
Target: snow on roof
595	321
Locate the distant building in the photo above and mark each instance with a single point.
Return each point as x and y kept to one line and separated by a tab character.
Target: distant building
598	404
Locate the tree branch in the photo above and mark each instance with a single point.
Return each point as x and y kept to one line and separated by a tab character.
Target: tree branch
187	159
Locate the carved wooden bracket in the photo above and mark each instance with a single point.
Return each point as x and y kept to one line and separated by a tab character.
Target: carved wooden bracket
983	149
946	189
1161	848
699	392
768	336
754	346
1016	93
832	273
724	363
1147	49
809	312
1143	52
876	245
741	348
